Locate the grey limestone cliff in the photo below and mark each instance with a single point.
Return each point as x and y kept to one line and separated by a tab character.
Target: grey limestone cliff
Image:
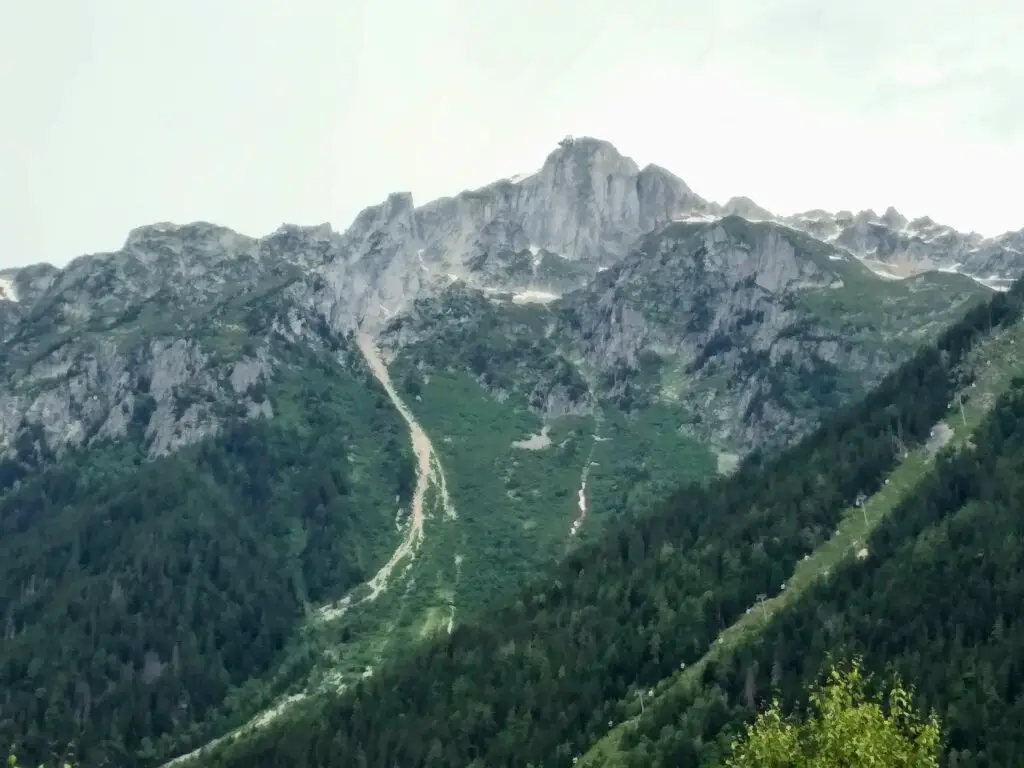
586	204
166	335
753	326
903	247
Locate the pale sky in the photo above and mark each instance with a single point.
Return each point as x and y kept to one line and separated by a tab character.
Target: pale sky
250	113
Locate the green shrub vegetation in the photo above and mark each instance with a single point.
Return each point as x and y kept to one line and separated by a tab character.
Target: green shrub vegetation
557	664
846	727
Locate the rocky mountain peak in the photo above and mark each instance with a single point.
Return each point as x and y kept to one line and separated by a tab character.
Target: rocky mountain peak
541	234
322	231
894	219
167	234
396	217
899	247
745	207
396	206
864	218
23	285
589	155
588	204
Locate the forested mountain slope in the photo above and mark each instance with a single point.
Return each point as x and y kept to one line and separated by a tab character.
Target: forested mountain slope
554	667
971	429
149	599
238	473
936	600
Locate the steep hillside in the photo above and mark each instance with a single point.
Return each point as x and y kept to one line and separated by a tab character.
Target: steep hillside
753	328
156	598
642	307
331	448
173	327
900	247
553	668
978	435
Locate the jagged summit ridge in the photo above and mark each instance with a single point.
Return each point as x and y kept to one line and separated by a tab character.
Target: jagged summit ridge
587	204
582	184
902	247
587	210
540	233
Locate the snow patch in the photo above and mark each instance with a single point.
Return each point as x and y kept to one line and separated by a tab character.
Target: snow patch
1001	284
697	218
880	269
727	462
535	442
534	297
7	290
519	178
581	503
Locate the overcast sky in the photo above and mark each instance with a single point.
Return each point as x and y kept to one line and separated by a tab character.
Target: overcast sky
250	113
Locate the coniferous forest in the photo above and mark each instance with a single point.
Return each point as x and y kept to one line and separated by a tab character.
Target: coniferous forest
232	540
547	672
142	601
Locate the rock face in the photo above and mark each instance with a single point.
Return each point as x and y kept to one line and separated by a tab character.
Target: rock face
729	317
612	266
585	207
904	248
745	207
150	342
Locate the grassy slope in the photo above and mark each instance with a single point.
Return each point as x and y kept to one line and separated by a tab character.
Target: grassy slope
870	308
516	505
514	509
997	362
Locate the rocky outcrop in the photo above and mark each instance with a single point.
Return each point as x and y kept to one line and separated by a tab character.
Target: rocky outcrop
586	207
745	207
158	342
170	391
586	204
728	317
908	247
172	332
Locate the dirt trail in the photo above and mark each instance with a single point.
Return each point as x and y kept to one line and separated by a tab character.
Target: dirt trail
428	472
428	469
581	503
581	494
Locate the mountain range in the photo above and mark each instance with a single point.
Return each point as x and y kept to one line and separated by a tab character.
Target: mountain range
239	473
